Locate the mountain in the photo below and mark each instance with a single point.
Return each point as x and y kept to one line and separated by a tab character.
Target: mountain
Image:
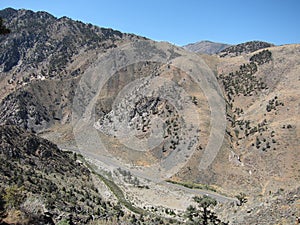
46	99
41	46
206	47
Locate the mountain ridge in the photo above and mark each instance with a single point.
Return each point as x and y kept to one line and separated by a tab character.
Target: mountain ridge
48	46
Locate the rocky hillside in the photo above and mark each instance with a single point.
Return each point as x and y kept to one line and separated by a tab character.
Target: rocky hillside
39	37
40	104
41	46
206	47
40	51
41	184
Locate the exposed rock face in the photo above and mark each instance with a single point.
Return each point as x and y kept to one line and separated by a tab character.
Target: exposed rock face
22	109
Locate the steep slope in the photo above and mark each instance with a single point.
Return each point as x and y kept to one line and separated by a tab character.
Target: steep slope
206	47
45	53
40	104
45	183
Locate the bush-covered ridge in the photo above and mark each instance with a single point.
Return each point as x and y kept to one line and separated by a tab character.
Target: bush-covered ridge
244	48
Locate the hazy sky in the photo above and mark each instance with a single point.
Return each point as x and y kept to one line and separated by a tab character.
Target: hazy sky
182	22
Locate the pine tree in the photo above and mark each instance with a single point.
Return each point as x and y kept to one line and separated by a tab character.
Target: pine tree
3	29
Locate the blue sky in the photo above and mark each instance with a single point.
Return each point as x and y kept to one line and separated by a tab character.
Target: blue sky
182	22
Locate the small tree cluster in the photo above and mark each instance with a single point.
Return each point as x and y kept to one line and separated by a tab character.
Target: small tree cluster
242	82
273	104
262	57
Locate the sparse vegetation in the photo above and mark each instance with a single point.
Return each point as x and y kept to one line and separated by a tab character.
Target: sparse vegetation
194	185
130	179
242	82
273	104
27	176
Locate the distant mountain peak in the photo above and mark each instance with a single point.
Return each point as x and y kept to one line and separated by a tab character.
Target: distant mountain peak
206	47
